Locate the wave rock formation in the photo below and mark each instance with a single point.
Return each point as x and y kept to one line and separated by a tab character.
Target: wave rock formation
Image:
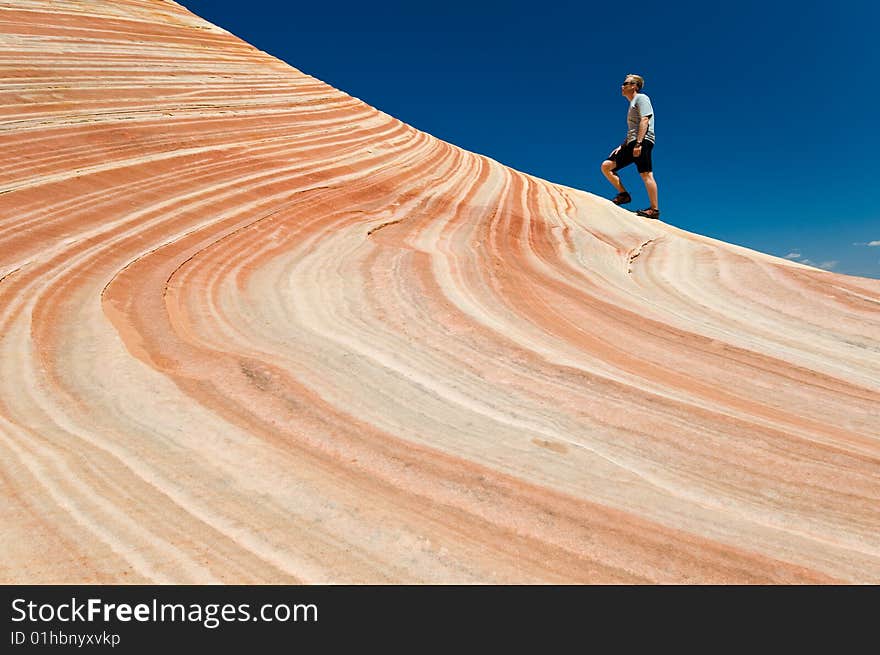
253	330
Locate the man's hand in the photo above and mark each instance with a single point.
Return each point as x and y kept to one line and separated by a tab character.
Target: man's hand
637	151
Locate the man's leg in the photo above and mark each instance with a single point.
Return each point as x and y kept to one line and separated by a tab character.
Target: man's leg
608	171
651	188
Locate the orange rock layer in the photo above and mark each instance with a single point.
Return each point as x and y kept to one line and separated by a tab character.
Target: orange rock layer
253	330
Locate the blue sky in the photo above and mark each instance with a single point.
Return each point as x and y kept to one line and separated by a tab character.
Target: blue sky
766	112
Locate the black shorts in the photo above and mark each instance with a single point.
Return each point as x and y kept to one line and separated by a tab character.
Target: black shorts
623	156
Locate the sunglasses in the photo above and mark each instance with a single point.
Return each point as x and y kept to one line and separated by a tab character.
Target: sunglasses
628	83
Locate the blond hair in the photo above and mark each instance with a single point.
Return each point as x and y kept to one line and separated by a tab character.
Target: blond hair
638	79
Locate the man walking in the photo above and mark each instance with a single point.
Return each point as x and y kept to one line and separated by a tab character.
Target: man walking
636	148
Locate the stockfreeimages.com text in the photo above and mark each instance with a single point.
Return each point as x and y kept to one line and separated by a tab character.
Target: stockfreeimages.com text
210	615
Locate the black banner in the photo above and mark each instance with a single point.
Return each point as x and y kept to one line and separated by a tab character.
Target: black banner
138	618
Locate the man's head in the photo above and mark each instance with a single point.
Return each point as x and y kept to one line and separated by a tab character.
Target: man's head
632	84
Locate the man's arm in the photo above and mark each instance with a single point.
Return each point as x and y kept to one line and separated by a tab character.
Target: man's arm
643	105
643	130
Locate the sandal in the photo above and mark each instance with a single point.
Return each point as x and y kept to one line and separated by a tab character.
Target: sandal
621	198
650	212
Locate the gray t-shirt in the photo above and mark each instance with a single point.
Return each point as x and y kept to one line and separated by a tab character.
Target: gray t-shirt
639	107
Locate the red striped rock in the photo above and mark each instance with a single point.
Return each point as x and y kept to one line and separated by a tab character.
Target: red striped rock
254	330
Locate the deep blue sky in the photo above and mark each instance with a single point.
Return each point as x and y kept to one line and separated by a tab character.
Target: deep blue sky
766	112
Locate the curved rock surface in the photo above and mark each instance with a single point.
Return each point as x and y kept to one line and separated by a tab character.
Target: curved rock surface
254	330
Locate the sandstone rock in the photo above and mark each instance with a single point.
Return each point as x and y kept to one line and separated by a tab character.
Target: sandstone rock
255	330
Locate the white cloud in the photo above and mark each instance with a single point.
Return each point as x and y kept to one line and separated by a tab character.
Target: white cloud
869	243
874	243
827	266
793	255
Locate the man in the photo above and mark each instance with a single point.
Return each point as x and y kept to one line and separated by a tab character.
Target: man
636	148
